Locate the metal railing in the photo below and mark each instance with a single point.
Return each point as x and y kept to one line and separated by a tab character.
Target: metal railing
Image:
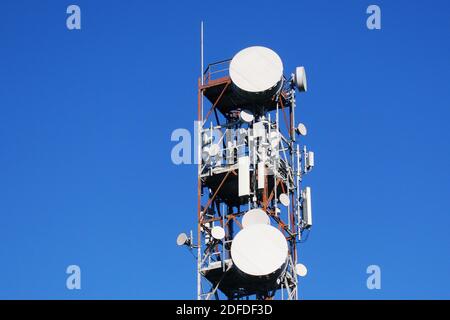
216	70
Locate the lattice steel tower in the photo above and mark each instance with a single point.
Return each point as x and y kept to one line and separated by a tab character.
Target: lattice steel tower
252	208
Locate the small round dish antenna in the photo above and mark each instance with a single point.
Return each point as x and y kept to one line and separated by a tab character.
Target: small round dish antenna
218	233
284	199
301	129
183	239
246	116
301	270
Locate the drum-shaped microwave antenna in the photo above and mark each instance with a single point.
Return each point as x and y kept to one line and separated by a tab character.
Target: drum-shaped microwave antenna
255	216
260	251
300	79
256	73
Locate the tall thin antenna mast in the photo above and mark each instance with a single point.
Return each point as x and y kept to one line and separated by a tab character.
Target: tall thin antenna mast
201	61
199	152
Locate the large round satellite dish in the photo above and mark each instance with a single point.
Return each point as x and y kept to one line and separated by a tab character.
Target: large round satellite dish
259	250
255	216
256	70
218	233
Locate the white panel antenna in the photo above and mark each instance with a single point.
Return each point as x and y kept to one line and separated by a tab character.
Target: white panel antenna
261	175
310	160
244	176
307	209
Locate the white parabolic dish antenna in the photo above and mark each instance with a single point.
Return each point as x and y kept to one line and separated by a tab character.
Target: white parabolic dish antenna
284	199
301	129
256	70
301	269
218	233
182	239
246	116
259	250
255	216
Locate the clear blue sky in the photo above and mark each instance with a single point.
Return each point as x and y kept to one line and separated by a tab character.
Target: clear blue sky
86	116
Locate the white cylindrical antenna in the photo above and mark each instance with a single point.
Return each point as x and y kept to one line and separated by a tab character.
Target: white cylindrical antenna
300	79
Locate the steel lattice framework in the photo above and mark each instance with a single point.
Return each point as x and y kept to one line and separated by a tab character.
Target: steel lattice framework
217	200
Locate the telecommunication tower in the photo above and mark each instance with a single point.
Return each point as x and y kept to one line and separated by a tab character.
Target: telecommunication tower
253	209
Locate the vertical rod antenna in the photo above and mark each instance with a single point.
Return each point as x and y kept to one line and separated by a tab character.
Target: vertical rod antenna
201	61
199	146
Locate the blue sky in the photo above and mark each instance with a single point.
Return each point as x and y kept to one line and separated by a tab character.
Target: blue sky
86	116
